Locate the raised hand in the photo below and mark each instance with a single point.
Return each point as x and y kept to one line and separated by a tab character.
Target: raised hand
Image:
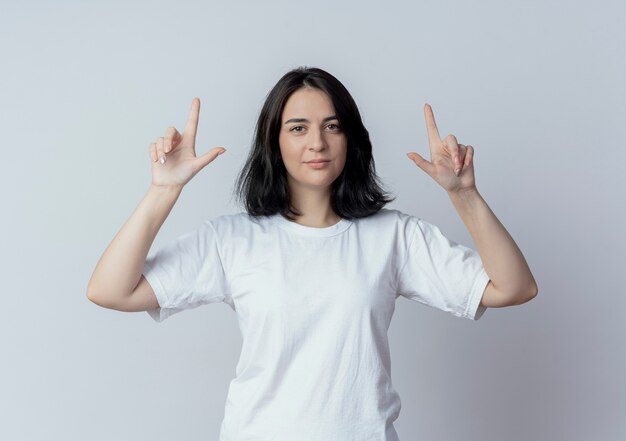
451	164
174	160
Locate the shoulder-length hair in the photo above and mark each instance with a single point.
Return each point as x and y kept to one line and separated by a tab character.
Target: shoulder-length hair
262	183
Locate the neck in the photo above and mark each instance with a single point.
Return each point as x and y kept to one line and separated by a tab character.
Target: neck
315	208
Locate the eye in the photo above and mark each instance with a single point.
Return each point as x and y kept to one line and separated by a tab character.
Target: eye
293	129
333	127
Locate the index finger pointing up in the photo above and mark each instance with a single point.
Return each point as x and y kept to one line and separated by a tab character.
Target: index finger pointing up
431	126
192	122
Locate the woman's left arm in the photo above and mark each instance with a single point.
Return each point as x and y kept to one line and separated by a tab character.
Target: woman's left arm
511	283
452	167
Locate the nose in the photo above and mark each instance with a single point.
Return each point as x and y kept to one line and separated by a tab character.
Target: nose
317	141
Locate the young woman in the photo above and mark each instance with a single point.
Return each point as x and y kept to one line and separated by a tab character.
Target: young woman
314	265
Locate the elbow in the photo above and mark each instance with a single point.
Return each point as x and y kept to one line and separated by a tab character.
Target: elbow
106	299
529	294
91	296
534	292
497	297
94	297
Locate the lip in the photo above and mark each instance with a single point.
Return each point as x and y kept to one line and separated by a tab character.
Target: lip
318	164
315	161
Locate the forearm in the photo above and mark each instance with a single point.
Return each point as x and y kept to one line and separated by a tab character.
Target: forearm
120	267
501	257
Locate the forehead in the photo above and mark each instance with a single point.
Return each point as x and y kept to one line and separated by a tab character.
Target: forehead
308	103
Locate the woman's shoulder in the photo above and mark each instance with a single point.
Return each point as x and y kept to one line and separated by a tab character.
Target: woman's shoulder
238	223
387	216
392	221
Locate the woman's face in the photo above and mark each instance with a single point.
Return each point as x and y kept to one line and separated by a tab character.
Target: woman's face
310	131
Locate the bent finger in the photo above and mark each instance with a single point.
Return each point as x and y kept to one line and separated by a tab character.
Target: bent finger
453	147
159	149
172	137
462	154
153	153
469	156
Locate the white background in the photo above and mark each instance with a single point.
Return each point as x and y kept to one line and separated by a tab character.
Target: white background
536	87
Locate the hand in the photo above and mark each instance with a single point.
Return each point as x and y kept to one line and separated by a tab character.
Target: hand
174	160
451	164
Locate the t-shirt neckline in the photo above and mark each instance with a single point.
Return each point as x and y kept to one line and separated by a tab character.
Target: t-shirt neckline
332	230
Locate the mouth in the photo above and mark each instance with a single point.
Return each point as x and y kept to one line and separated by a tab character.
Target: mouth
318	164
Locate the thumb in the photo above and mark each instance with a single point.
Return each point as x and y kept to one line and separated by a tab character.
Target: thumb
421	162
204	160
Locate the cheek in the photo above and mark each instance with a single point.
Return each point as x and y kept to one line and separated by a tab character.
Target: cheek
344	154
290	157
342	165
285	150
281	145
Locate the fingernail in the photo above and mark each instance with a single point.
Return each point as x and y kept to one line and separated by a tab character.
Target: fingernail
457	171
162	159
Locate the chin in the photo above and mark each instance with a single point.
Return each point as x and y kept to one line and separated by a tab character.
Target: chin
314	185
310	181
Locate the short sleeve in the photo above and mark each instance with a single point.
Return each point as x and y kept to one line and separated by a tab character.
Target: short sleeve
186	272
441	273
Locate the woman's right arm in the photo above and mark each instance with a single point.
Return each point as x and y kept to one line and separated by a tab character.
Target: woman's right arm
117	281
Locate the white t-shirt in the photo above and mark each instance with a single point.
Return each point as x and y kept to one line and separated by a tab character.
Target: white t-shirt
314	306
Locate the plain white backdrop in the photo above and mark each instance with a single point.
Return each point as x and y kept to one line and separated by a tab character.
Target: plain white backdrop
536	87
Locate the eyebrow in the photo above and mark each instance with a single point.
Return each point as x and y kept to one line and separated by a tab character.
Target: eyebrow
298	120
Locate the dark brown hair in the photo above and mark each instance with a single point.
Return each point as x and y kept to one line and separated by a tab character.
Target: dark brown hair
262	183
